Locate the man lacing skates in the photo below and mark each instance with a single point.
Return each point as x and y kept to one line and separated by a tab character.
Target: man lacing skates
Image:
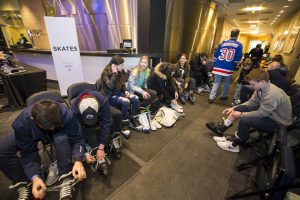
267	109
44	120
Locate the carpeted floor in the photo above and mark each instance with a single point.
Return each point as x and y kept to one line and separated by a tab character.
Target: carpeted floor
182	162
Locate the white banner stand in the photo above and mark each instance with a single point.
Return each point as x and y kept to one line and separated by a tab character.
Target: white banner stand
65	51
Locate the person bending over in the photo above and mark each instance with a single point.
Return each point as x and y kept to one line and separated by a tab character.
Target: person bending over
267	109
44	120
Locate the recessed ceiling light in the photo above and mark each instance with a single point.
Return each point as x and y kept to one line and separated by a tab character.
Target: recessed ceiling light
275	18
253	8
285	6
282	11
253	26
277	15
253	22
290	0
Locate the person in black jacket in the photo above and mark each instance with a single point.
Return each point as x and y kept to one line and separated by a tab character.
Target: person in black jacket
256	54
199	71
44	120
162	81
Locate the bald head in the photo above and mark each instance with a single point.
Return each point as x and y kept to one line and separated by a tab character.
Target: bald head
274	65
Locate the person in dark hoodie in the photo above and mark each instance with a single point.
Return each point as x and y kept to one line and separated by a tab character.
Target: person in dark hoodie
44	120
162	81
92	109
113	79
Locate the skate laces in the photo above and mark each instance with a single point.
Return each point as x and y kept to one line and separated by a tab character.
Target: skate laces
24	192
67	185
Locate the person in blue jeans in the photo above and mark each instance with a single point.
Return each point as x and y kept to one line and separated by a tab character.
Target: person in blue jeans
227	56
44	120
113	79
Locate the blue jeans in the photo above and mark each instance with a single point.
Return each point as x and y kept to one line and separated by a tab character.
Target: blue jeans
264	124
10	163
217	81
117	102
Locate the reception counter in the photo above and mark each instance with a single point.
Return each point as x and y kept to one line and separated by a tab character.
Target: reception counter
93	62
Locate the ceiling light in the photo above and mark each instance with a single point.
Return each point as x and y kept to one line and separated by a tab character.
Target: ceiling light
277	15
253	22
253	8
254	31
282	11
275	18
285	32
285	6
290	0
252	25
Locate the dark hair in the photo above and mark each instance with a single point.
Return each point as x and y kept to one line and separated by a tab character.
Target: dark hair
258	75
167	68
234	33
117	60
258	45
46	114
278	58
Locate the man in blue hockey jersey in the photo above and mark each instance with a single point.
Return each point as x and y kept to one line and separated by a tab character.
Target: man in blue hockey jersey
227	56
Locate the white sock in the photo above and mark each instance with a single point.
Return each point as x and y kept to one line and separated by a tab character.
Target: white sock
227	122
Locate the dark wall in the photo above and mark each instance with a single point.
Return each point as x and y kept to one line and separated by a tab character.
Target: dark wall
157	26
143	25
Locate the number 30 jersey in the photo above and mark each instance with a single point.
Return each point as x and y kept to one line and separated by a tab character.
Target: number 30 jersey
228	54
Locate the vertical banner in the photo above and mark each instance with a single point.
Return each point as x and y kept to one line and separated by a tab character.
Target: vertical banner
65	51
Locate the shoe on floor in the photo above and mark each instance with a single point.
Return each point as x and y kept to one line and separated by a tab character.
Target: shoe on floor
125	129
66	181
210	101
219	139
156	124
223	98
205	88
176	107
200	91
217	127
191	98
229	146
182	99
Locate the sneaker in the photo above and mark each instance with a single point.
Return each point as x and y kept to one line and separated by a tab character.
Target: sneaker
66	181
217	127
125	128
192	98
135	123
24	190
157	125
53	174
220	139
176	107
143	119
205	88
200	90
229	146
152	126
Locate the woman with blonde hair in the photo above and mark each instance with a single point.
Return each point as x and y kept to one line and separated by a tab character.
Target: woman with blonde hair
137	82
